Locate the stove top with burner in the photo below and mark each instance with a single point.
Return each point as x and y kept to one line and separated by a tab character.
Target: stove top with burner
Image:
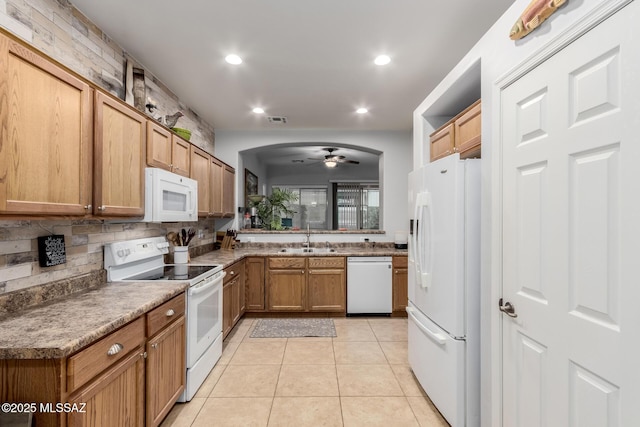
174	272
143	259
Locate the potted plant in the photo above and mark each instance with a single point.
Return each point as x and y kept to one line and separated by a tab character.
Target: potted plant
274	207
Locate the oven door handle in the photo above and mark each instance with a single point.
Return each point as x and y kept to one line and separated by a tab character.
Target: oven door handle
199	288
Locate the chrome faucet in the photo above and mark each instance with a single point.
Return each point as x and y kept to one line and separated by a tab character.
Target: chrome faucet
307	242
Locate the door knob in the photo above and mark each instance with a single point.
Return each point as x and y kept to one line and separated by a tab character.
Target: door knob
507	308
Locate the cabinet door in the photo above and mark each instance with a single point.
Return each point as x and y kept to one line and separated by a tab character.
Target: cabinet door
400	291
228	191
326	290
442	142
180	156
286	289
217	175
45	136
115	398
254	282
200	171
120	141
235	301
467	132
227	308
158	146
166	370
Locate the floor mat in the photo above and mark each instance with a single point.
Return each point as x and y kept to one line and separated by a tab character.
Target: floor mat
291	328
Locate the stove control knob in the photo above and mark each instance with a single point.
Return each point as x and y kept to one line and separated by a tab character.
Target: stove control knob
120	253
127	251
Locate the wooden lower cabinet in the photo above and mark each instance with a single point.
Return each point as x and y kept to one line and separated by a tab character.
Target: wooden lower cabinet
115	398
123	379
233	296
166	367
254	284
286	289
315	284
327	284
400	282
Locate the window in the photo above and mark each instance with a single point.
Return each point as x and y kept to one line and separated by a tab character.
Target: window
311	207
357	206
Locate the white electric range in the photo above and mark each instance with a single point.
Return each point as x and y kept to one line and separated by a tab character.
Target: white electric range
143	260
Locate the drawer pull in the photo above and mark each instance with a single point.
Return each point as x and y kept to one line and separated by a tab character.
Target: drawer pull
170	312
115	349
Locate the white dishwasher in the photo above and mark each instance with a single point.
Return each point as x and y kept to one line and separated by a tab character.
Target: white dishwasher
369	289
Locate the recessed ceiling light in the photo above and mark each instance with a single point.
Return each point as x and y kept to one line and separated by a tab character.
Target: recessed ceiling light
362	111
233	59
382	60
258	110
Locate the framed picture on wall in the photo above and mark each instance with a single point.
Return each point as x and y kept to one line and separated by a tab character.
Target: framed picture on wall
250	186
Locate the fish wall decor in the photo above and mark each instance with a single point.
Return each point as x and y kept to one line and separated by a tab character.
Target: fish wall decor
534	15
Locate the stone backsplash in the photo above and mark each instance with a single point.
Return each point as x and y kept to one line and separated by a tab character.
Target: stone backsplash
58	29
84	242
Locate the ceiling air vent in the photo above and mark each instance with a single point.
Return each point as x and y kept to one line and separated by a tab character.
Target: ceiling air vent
280	120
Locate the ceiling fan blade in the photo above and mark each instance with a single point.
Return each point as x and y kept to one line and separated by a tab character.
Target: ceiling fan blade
355	162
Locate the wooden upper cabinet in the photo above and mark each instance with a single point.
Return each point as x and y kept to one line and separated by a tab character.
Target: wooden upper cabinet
45	135
442	142
120	141
159	148
200	171
228	191
217	175
462	134
180	156
468	131
166	150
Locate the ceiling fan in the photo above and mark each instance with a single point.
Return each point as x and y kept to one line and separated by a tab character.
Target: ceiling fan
331	160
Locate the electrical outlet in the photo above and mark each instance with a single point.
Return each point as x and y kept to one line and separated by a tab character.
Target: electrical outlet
251	239
200	234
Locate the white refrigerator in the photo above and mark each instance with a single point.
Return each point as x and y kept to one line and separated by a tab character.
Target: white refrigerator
444	286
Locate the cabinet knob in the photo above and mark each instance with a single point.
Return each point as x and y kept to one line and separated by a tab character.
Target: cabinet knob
115	349
154	345
143	355
302	271
170	312
102	208
88	207
232	273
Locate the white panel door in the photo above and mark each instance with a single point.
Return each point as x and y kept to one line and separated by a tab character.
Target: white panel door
571	239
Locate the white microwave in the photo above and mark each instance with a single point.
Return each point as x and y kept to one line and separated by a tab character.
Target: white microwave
169	197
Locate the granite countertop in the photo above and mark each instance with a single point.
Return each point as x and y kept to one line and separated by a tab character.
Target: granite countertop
64	326
227	257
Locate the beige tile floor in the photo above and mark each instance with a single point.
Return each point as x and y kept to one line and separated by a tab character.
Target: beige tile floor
359	378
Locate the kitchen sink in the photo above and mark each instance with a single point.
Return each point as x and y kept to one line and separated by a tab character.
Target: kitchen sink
307	250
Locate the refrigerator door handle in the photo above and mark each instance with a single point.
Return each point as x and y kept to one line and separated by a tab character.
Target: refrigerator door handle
438	338
423	207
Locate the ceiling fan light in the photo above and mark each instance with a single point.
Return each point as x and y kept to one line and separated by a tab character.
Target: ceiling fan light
331	163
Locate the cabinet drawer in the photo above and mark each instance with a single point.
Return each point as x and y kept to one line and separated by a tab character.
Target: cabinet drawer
326	262
161	316
275	263
400	261
234	271
94	359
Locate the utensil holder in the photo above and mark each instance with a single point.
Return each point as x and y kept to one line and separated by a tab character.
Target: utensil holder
180	254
